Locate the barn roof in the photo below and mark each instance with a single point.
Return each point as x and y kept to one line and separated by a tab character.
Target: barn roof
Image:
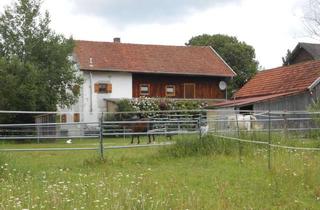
312	48
293	78
278	82
140	58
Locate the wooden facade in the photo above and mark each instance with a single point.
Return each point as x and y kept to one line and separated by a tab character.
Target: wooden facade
189	87
301	56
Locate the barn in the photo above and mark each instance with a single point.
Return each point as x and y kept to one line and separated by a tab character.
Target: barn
115	70
304	52
289	88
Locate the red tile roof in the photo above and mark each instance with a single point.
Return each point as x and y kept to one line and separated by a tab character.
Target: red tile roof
293	78
138	58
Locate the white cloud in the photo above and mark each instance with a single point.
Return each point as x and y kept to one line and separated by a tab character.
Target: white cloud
271	27
125	12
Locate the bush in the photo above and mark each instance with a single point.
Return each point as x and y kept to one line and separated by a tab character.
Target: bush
148	104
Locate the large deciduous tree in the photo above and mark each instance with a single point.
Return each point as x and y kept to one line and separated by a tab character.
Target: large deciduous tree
37	72
238	55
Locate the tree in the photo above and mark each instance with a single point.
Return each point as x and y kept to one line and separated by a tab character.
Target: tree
311	18
36	65
15	79
286	59
238	55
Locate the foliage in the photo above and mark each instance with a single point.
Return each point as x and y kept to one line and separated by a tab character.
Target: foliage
144	104
238	55
315	109
311	18
125	105
149	106
286	59
41	56
15	79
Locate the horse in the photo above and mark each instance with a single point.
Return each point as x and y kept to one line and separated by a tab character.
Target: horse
243	122
140	127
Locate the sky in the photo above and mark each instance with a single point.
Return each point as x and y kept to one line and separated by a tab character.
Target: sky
271	27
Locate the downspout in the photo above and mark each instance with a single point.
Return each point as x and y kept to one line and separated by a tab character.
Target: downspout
91	92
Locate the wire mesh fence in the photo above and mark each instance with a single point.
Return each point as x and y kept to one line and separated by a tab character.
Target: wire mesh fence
55	131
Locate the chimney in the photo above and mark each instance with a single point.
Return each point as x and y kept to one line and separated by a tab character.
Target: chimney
116	40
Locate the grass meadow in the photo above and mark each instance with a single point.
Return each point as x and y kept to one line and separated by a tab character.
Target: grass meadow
191	174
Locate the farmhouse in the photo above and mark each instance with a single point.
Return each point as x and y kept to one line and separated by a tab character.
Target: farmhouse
115	70
290	88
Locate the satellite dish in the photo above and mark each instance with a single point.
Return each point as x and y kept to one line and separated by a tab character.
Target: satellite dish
222	85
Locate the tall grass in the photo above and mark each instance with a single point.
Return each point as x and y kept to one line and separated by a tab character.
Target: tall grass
192	146
192	174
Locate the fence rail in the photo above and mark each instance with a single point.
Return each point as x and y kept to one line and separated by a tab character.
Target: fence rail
226	124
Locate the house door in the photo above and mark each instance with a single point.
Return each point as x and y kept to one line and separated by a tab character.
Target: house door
189	90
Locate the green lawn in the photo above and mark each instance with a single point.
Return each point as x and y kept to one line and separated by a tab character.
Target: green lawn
154	178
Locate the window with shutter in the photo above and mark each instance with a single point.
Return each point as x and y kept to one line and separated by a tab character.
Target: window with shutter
76	117
102	88
170	90
144	89
96	88
109	88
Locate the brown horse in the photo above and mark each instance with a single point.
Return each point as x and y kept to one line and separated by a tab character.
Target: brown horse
140	127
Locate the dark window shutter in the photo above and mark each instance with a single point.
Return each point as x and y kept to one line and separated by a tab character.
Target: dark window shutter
96	88
109	88
76	117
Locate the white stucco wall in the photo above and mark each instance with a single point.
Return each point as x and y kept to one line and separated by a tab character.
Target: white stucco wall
91	104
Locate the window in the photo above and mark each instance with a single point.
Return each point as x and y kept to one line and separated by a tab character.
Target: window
170	90
64	118
103	88
144	89
76	117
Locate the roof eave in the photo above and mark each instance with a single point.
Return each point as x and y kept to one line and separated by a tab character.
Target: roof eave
155	72
314	84
244	103
213	50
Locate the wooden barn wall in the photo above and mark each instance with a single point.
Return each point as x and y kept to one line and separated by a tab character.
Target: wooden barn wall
291	103
302	56
205	87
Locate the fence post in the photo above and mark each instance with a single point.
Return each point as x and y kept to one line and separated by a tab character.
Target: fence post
239	142
38	134
199	127
101	137
285	126
269	140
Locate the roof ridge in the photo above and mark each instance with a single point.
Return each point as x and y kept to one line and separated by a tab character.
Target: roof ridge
289	66
139	44
309	43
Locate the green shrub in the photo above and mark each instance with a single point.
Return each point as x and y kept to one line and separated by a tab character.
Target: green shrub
150	104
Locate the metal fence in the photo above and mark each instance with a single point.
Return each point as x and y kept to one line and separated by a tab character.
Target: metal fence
228	124
47	128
